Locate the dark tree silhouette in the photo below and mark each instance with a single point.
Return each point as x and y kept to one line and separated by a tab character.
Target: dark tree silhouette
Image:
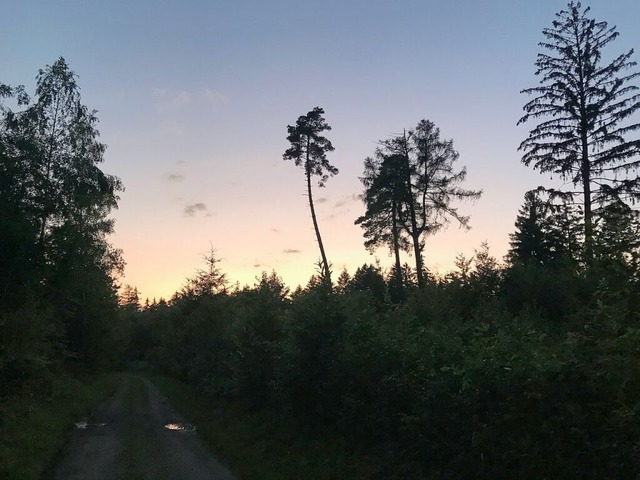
402	147
589	104
369	278
55	203
436	179
529	244
617	247
546	233
385	198
309	150
54	146
208	281
129	299
425	181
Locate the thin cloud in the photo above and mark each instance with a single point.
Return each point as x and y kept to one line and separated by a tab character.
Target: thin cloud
321	200
346	200
165	100
158	92
290	251
193	209
214	97
274	230
175	177
342	206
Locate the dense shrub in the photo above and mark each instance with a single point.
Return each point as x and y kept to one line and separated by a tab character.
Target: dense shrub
470	377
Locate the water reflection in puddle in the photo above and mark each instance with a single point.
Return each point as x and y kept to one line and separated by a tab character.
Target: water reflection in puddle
185	427
84	425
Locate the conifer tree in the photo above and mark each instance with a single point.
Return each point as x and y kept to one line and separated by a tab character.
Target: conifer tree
414	183
587	107
529	243
309	150
546	233
385	199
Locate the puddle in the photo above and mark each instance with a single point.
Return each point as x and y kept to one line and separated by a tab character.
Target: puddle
85	425
184	427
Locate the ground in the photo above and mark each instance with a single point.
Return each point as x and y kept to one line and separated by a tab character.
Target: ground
126	439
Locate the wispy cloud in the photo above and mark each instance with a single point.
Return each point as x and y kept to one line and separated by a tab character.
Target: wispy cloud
175	177
214	97
347	199
165	100
321	200
290	251
342	205
193	209
274	230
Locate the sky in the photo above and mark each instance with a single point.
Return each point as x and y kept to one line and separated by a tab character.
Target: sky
194	98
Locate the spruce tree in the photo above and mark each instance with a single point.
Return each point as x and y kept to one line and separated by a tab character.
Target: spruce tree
587	107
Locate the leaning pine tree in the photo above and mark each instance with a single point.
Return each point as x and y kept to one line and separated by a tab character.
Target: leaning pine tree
588	109
309	150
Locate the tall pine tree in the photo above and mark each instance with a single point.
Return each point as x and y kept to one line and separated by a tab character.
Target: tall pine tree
309	150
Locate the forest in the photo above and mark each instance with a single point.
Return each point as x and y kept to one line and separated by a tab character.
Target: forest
522	367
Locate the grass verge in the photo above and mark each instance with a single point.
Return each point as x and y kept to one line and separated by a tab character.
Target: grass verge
260	446
33	429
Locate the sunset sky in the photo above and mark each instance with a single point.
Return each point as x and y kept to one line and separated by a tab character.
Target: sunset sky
194	98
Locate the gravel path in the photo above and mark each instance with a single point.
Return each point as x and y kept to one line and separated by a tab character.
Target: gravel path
126	439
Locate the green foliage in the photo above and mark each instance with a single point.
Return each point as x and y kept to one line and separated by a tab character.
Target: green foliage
309	377
31	350
258	329
525	372
369	280
546	233
57	270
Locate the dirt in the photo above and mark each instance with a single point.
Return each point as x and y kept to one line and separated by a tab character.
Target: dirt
126	439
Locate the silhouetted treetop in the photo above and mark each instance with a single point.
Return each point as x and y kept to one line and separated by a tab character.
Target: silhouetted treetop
308	147
585	107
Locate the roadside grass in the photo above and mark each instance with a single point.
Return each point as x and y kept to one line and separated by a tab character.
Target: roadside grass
33	429
259	446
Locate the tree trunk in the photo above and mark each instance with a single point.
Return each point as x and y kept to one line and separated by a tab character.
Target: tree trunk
416	250
396	249
49	159
588	214
325	264
414	232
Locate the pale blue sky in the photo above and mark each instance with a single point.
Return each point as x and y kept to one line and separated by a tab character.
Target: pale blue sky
194	98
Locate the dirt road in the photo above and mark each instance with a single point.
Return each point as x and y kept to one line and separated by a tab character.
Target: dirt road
126	439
